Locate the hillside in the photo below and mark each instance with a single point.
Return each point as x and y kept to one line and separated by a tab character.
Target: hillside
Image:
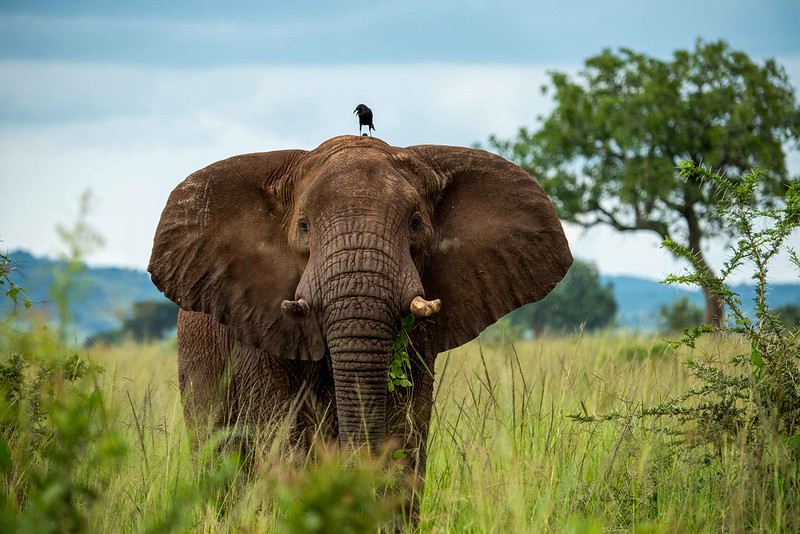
111	292
108	296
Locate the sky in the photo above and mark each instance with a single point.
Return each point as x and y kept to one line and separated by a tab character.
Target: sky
127	98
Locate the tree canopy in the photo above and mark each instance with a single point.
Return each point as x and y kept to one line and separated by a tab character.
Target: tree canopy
608	152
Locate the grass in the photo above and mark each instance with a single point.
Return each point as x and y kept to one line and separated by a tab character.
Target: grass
504	455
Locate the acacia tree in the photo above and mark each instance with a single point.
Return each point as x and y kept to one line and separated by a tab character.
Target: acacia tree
608	152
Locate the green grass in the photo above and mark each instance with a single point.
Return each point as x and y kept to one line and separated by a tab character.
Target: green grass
503	457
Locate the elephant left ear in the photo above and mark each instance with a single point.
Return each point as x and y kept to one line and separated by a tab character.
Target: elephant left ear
498	245
221	249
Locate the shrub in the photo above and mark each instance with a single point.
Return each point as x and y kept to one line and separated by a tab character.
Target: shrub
54	422
756	396
751	403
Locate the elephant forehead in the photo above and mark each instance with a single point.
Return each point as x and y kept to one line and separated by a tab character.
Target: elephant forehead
353	158
349	175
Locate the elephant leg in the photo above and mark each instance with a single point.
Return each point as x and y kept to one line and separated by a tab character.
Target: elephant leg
204	371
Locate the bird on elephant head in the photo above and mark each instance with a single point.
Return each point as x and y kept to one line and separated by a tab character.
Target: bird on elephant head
294	270
364	118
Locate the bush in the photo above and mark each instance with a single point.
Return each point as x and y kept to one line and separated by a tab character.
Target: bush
54	421
751	403
757	396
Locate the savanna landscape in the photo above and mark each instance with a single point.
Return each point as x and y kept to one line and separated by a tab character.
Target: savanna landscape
549	400
584	432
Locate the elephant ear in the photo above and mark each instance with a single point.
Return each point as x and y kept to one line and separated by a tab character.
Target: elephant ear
220	248
499	244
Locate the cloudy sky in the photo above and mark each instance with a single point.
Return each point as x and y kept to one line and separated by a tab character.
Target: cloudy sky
127	98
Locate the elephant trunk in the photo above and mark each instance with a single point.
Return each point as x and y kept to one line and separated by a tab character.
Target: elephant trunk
362	289
360	367
360	284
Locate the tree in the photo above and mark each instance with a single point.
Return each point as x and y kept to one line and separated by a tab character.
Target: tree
150	319
608	152
680	315
580	299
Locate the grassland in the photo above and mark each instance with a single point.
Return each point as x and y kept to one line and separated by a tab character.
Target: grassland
504	455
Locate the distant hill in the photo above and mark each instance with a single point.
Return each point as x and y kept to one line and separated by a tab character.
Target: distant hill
112	291
109	296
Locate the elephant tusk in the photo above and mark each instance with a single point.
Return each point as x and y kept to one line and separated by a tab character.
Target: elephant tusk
295	308
422	308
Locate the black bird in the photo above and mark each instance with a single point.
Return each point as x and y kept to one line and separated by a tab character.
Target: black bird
364	118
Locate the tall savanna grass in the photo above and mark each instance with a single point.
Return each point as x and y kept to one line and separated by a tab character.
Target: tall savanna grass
504	454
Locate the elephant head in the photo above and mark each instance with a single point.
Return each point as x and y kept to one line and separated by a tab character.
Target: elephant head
319	254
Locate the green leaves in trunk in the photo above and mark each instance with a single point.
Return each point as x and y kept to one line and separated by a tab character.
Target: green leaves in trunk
400	365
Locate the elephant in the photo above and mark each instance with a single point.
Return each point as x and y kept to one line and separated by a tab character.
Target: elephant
293	270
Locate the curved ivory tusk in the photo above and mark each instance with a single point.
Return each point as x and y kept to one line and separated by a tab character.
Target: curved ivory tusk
295	308
422	308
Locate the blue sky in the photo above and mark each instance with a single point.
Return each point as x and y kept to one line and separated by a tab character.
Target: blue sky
127	98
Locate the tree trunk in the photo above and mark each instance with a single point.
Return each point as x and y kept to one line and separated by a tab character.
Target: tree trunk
715	307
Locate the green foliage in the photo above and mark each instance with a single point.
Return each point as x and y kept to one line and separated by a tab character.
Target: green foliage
214	486
579	301
9	289
69	282
400	364
331	495
763	398
680	315
54	421
607	152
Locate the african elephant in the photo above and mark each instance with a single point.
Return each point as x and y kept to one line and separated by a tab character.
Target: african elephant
293	270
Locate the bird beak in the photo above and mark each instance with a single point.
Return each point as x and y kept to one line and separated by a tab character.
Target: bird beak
355	110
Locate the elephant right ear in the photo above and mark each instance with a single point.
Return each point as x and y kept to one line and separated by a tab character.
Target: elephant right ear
221	248
499	243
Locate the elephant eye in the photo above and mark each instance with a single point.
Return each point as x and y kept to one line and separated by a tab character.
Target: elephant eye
302	224
416	221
